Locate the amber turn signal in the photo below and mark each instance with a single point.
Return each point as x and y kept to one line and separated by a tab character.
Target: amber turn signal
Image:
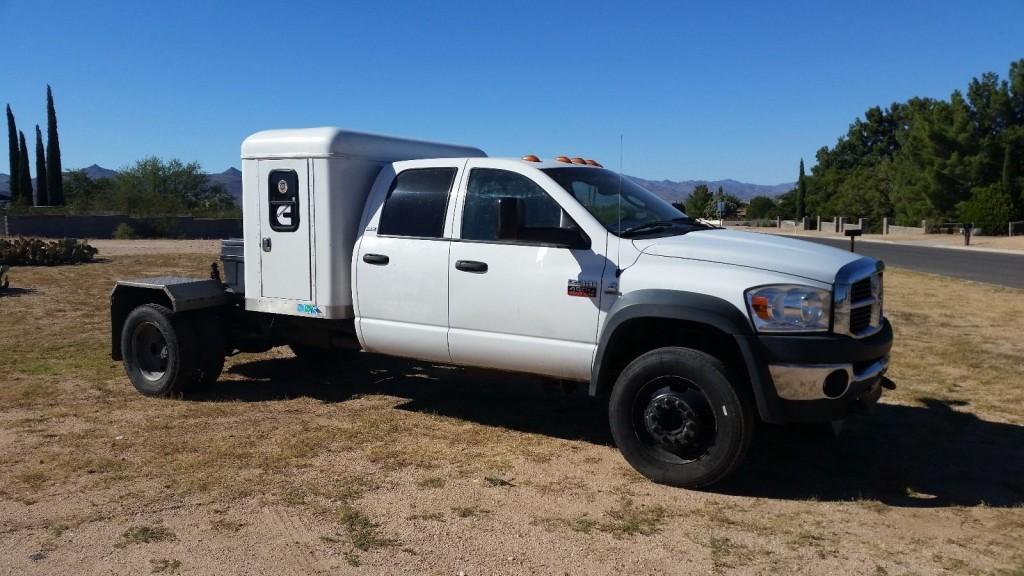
761	307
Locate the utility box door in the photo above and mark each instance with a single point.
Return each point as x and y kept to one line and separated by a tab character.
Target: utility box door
285	218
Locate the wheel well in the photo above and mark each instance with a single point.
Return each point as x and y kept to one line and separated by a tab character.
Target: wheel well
122	302
639	335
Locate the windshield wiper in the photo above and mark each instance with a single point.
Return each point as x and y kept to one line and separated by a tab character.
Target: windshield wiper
657	225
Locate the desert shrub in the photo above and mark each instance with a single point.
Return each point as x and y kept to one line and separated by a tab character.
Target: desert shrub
124	231
22	251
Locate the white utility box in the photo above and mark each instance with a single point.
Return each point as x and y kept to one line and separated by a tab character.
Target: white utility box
303	196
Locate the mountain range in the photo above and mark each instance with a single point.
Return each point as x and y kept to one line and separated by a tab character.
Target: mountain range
671	190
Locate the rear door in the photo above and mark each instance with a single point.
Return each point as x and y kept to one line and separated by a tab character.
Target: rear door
284	229
401	266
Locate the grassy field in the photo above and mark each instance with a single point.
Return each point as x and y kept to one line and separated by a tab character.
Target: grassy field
388	466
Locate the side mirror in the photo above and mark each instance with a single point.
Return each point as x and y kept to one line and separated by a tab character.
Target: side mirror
572	238
510	217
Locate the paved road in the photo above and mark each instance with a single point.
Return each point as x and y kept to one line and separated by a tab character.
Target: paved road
992	267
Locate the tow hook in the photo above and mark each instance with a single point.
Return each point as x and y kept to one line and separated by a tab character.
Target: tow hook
888	384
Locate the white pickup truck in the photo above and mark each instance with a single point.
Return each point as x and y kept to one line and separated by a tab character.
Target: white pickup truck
558	268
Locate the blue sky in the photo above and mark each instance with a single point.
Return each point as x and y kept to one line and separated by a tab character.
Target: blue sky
733	90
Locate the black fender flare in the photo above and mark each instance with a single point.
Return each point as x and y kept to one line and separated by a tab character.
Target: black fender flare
178	294
695	308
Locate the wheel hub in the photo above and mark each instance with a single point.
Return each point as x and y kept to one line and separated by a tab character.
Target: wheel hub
673	423
151	351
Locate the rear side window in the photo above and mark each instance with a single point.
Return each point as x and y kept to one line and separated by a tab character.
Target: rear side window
417	203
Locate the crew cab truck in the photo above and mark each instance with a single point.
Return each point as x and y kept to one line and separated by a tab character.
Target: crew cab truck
558	268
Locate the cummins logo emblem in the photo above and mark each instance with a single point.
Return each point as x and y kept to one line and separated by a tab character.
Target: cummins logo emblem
284	212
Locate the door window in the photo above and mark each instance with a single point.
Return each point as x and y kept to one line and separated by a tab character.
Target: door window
283	196
416	205
487	186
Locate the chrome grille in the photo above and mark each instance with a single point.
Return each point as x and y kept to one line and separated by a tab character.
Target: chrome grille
858	300
860	319
861	290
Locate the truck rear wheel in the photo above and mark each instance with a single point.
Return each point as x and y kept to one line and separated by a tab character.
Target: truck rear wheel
677	418
159	351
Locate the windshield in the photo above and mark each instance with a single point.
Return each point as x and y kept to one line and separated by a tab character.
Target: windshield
598	191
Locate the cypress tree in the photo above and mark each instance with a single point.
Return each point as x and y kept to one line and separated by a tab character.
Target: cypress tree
801	193
24	176
1009	177
42	198
54	174
13	151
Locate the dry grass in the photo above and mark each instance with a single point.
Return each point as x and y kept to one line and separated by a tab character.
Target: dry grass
144	535
397	466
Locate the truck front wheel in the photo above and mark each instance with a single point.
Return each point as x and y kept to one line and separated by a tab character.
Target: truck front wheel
160	351
677	418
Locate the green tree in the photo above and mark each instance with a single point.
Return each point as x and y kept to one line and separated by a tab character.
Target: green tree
762	208
928	158
786	205
154	187
730	204
24	175
84	195
801	194
988	208
42	198
14	153
698	201
53	164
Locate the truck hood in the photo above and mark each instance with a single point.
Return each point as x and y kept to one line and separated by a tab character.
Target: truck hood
753	250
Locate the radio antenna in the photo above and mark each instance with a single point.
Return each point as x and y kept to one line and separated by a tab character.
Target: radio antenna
618	246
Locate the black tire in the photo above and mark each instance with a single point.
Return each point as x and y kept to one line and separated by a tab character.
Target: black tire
159	351
209	331
678	419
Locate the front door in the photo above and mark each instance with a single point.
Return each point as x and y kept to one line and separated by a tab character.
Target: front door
402	265
284	229
521	305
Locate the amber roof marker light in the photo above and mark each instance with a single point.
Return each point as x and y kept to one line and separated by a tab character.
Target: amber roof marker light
594	163
563	160
531	158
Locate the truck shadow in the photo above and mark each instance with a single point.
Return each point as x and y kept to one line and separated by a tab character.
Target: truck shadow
932	455
925	456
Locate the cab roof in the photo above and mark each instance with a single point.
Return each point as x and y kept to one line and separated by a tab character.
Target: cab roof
329	141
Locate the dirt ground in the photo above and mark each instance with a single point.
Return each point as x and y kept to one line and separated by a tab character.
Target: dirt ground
1001	243
110	248
383	466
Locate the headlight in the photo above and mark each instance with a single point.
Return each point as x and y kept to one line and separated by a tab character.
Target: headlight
789	308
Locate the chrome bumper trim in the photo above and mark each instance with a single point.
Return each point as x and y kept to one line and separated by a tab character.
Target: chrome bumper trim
805	381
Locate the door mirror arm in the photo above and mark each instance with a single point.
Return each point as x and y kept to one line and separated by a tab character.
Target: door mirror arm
510	218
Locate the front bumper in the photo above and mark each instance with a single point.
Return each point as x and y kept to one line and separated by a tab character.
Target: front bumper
816	377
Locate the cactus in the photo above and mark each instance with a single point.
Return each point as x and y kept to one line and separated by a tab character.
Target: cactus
21	251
